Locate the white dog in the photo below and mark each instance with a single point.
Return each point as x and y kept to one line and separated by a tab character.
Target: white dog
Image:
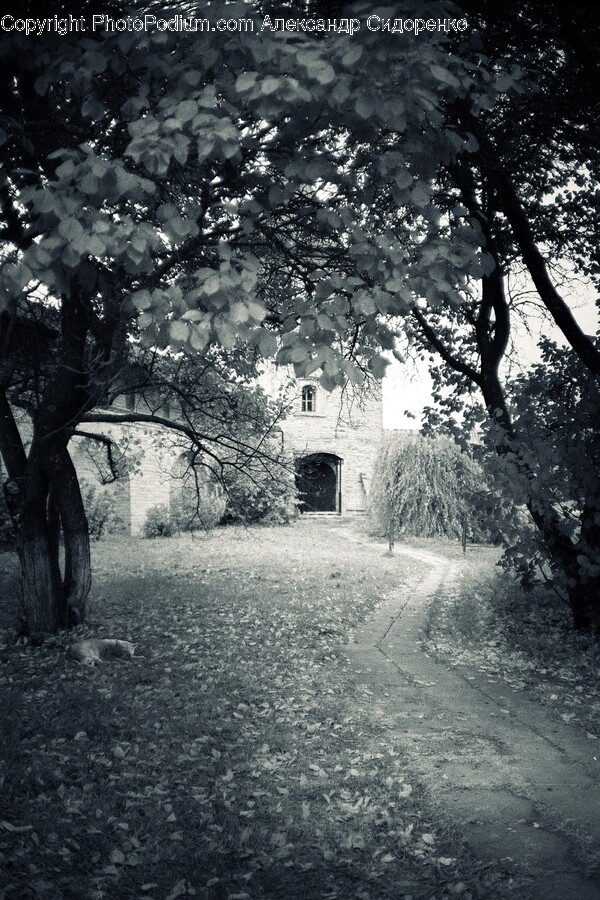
94	651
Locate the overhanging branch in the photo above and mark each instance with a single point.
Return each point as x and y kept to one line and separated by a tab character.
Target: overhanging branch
457	364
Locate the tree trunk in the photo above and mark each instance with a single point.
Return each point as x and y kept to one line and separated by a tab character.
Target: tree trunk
77	578
41	585
43	490
46	504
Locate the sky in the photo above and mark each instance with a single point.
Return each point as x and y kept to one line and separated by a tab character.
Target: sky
406	388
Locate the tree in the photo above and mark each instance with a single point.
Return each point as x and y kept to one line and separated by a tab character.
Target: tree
189	194
530	180
557	466
292	193
426	487
83	229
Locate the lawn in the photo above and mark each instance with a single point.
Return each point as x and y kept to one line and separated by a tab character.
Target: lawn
484	621
237	757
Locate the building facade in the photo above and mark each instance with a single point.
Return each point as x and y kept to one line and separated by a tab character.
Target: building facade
334	438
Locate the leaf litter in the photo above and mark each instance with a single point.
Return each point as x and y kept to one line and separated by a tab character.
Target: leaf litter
238	758
483	621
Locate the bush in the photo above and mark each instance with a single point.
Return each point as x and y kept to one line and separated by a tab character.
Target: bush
268	500
157	522
204	513
99	511
426	487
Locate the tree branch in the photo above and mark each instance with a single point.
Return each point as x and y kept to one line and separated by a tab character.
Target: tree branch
515	213
440	348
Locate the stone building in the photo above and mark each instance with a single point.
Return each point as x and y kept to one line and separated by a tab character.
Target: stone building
333	438
152	467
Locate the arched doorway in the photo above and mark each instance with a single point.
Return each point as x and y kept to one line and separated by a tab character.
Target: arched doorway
318	481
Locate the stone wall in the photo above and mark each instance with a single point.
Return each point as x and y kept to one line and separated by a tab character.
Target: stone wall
145	480
348	425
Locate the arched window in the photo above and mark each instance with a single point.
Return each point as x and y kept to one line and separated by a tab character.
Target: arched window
309	396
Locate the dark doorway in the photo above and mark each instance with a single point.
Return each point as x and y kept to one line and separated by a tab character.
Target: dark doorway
317	482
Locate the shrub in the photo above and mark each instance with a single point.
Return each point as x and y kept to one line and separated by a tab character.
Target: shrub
157	522
206	512
269	499
99	511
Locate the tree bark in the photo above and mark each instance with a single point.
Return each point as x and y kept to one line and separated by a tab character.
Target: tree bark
77	578
45	503
51	506
40	587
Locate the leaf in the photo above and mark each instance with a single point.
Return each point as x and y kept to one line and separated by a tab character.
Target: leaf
268	344
246	81
445	76
110	870
352	56
177	891
71	229
378	365
93	108
15	829
365	106
178	332
186	110
324	73
239	313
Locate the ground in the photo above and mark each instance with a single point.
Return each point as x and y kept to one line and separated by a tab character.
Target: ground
297	725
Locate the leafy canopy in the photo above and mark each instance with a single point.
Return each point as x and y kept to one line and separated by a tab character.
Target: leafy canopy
216	183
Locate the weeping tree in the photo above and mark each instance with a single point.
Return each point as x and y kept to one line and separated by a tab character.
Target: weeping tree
424	486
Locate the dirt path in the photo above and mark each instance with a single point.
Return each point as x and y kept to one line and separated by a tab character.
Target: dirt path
522	787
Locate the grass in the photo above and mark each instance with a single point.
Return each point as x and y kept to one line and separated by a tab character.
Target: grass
485	620
237	758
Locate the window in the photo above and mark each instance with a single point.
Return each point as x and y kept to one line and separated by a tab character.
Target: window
309	396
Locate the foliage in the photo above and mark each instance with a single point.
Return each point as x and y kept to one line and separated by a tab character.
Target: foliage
99	511
193	194
233	248
204	512
555	409
157	522
530	179
425	487
262	499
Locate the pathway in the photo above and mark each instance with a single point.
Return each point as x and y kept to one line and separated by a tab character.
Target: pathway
523	788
